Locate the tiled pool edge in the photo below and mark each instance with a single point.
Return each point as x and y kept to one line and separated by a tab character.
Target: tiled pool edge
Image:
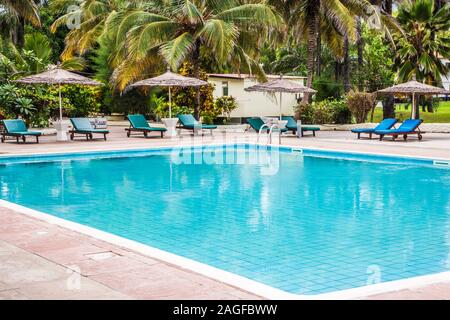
308	151
226	277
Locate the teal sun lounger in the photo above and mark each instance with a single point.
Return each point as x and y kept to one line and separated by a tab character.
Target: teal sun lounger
292	126
188	122
138	123
410	126
83	126
256	123
386	124
18	129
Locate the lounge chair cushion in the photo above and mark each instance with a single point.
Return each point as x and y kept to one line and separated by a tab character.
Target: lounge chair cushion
383	125
93	131
25	133
306	128
17	127
407	126
150	128
203	126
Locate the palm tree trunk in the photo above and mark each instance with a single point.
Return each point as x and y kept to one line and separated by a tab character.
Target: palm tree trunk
360	45
19	34
347	86
388	107
318	50
389	102
312	45
196	63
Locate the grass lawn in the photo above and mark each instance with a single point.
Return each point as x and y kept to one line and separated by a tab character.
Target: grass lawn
441	115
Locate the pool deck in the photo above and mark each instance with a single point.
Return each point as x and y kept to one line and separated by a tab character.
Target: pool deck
40	260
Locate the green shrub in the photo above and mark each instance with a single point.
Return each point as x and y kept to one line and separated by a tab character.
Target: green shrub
305	112
38	104
161	108
222	106
341	112
360	103
325	111
84	101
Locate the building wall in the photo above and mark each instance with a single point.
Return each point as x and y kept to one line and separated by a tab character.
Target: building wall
254	103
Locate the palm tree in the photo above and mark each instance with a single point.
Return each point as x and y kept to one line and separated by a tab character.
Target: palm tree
419	54
93	15
426	41
14	14
323	21
143	32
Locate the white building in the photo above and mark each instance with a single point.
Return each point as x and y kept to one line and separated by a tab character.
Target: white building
253	104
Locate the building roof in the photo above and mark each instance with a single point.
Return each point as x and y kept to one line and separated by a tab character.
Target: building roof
247	76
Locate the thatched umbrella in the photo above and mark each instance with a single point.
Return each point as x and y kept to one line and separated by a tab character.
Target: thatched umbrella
281	85
413	87
170	79
58	76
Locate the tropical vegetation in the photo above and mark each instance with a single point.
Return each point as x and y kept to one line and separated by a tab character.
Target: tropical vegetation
344	48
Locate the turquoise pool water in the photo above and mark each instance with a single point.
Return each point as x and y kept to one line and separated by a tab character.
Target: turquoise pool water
320	223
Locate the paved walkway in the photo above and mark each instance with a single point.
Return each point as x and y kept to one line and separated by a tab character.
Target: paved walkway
43	261
39	260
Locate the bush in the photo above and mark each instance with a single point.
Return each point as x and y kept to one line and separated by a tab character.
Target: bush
222	106
325	111
38	104
341	112
360	103
83	101
161	109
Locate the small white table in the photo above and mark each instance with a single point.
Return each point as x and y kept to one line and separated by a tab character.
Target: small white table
62	128
282	123
171	126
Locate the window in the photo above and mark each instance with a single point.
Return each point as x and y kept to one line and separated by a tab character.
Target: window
224	88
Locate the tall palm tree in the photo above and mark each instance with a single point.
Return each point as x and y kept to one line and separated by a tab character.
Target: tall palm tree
427	41
143	32
419	53
323	21
14	14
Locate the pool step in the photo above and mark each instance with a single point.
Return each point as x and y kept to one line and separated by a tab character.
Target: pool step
441	163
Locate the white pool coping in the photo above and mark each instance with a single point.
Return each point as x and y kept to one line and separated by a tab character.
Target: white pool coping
226	277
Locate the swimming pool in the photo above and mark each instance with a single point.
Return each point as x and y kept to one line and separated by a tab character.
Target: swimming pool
320	222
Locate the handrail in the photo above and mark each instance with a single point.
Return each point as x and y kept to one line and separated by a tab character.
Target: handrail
274	126
260	130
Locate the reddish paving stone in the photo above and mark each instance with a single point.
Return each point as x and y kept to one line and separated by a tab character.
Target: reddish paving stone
440	291
115	264
72	255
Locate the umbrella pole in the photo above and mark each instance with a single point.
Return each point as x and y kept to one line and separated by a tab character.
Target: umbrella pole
170	102
60	104
413	109
280	103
